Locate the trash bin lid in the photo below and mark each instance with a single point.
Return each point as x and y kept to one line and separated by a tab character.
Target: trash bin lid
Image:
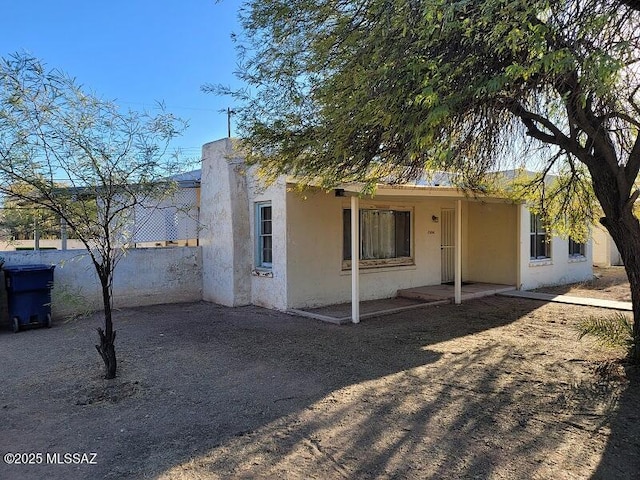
28	268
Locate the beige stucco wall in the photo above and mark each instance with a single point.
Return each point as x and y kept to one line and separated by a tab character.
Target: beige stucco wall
491	243
314	248
605	251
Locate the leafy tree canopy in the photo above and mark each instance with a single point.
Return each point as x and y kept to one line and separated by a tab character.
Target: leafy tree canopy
373	90
369	90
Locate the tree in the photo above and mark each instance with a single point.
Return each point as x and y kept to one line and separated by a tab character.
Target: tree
20	219
85	161
369	89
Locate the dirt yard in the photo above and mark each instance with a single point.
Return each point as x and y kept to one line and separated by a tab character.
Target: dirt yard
608	283
497	388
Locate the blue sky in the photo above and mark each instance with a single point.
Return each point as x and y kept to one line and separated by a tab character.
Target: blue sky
136	52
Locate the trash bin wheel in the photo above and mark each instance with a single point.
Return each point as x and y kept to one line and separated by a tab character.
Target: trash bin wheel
48	322
16	324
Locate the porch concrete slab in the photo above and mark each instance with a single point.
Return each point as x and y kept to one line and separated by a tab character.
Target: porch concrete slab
586	301
447	292
406	299
341	313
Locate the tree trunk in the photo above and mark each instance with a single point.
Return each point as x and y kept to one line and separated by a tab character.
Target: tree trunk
107	351
625	232
106	348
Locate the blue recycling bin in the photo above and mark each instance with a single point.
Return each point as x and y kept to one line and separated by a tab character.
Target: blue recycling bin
29	295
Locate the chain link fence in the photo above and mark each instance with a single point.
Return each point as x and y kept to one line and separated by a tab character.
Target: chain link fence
175	220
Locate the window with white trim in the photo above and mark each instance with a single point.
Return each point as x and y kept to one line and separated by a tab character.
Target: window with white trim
576	249
540	244
385	237
264	235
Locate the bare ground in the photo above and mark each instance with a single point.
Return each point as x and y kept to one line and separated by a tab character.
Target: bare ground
496	388
608	283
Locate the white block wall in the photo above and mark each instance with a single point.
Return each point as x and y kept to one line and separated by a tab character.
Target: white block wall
143	277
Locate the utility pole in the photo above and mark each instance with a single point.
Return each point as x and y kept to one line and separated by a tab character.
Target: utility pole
229	113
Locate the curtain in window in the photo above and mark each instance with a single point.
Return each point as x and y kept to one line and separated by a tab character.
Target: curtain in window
378	234
383	234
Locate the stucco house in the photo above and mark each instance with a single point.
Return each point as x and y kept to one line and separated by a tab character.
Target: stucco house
278	248
605	251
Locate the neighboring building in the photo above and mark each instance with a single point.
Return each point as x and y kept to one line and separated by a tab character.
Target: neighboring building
275	247
171	221
605	251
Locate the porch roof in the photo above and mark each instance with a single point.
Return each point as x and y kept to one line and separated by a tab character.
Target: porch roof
414	190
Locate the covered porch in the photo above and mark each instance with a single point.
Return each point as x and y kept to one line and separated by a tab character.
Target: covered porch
480	250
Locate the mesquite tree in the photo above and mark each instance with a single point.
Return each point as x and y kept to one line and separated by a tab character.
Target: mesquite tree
84	160
370	89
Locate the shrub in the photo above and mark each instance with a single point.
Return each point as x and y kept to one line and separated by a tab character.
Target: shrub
614	331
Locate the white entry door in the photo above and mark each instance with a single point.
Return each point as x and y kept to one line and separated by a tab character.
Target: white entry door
447	244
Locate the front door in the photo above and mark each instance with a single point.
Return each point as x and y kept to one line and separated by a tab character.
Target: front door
447	244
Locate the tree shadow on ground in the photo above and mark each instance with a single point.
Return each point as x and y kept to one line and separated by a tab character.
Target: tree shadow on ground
479	418
211	392
621	457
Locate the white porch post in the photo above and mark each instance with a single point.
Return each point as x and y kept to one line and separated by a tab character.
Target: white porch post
519	245
458	255
355	259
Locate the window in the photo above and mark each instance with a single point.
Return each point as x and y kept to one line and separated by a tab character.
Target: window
540	247
264	235
576	249
384	235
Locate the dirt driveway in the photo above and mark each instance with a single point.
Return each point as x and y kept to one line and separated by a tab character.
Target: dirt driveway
495	388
